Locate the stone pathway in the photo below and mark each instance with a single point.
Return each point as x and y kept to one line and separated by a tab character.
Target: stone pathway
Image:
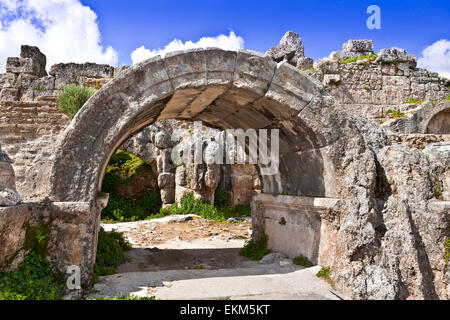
204	265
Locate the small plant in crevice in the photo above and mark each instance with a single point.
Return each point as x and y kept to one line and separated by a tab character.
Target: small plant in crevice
302	261
325	273
414	101
438	191
256	250
371	58
396	114
72	98
110	253
447	250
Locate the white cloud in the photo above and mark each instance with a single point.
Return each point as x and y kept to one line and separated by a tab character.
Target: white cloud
230	42
64	30
437	58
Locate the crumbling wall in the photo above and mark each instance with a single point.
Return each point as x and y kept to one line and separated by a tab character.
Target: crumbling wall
26	78
371	86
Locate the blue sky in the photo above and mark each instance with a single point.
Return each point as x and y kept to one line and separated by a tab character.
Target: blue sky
323	25
122	32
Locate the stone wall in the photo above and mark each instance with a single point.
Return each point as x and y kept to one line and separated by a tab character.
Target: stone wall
26	78
371	86
156	143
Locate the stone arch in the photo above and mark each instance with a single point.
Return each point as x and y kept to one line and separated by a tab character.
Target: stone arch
224	89
440	122
428	117
320	146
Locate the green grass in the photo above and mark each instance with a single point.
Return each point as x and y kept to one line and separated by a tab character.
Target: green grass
121	170
447	250
34	280
438	190
371	57
414	100
122	297
110	253
72	98
256	250
396	114
190	205
302	261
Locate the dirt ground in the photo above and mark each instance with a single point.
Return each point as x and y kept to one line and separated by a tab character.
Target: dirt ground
183	242
186	257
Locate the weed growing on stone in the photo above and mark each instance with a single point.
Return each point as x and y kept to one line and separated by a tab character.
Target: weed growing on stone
302	261
396	114
72	98
324	273
447	250
256	250
414	100
438	190
371	57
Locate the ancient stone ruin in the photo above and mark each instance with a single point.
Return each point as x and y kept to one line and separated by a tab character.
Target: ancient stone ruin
363	181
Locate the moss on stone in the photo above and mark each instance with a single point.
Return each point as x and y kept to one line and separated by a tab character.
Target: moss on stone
36	239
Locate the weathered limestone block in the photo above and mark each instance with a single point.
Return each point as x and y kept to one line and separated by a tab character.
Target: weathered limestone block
363	46
164	161
120	69
8	193
8	80
39	59
9	198
168	196
212	176
166	180
162	140
73	73
290	49
396	55
9	94
22	65
305	63
329	79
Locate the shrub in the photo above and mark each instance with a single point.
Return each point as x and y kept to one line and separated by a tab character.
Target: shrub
302	261
121	210
72	98
150	203
110	253
237	211
121	169
189	205
256	250
34	280
220	197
